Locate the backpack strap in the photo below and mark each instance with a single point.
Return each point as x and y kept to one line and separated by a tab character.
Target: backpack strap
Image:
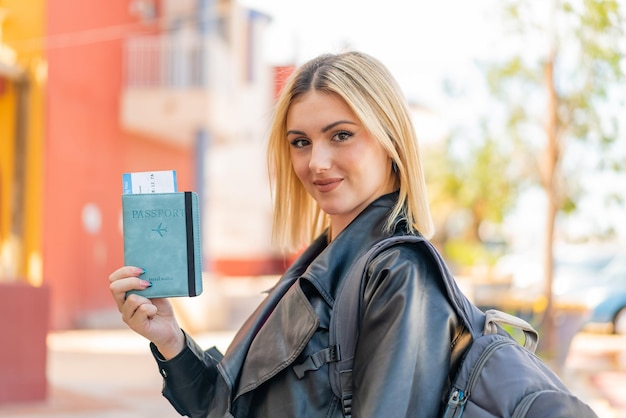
345	320
317	360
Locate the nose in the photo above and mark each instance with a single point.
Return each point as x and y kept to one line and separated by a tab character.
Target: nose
321	157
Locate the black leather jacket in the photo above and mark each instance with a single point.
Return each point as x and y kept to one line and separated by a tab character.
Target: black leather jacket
410	338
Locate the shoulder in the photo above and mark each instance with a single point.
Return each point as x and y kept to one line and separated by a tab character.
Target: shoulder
406	276
408	252
404	263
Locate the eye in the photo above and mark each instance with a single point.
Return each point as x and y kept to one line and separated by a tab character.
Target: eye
341	136
299	142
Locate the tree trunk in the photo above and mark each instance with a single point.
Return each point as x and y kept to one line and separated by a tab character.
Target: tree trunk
550	184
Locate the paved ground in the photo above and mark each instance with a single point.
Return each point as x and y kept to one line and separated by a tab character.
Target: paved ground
596	372
110	374
102	374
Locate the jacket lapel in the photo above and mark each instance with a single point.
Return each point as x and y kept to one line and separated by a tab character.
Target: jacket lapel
231	365
273	349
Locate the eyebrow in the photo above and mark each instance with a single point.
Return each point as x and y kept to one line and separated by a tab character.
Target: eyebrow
324	129
339	122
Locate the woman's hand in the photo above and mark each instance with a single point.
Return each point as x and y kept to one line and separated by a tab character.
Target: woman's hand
152	318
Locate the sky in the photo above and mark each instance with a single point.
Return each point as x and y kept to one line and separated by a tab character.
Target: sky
432	48
420	41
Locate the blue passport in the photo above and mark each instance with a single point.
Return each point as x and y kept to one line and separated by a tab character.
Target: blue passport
162	236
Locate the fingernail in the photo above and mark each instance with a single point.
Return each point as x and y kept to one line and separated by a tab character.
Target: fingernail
146	283
140	271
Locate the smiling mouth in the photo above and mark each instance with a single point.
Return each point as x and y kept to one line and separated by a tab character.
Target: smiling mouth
327	185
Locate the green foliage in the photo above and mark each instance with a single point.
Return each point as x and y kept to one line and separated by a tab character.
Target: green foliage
586	50
582	41
470	184
466	253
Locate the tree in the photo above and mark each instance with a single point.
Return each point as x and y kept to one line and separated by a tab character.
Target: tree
467	194
559	86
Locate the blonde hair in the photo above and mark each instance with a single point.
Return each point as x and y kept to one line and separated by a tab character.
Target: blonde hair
372	93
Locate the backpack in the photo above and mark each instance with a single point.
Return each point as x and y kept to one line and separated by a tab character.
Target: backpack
497	377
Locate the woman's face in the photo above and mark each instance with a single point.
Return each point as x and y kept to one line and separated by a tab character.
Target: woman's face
340	164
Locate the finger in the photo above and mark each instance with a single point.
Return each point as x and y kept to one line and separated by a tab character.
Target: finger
128	283
120	287
126	271
141	319
135	311
147	310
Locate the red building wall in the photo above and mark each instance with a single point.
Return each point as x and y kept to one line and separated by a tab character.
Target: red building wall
86	152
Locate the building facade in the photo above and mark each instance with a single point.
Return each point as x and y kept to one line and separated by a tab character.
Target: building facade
124	86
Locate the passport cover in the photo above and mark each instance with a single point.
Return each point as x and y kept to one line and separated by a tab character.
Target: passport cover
162	236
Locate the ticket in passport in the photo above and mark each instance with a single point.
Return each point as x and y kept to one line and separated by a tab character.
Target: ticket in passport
150	182
161	229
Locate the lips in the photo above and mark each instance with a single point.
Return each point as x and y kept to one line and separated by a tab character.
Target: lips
327	185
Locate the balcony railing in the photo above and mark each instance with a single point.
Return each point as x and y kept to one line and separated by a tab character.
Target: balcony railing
166	61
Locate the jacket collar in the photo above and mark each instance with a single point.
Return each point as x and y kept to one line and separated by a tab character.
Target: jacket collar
327	270
323	265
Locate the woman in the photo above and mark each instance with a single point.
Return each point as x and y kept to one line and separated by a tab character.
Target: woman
347	173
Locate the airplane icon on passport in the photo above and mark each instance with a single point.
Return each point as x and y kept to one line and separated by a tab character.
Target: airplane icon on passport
159	230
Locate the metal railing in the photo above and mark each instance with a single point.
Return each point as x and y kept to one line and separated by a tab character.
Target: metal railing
167	61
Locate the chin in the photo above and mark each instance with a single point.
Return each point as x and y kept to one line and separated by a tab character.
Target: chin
332	210
337	210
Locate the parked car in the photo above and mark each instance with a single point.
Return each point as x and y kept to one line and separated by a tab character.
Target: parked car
606	297
593	278
575	266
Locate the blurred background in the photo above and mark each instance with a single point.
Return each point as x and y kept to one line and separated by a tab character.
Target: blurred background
519	107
